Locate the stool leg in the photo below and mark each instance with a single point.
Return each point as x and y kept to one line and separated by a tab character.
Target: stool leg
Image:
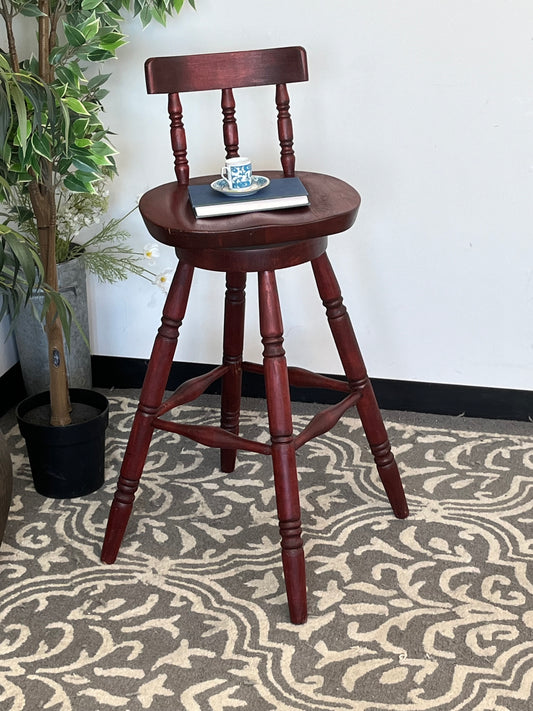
233	344
355	370
151	397
283	452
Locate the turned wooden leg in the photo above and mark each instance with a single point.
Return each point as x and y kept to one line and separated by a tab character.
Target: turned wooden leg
355	370
233	343
283	452
151	398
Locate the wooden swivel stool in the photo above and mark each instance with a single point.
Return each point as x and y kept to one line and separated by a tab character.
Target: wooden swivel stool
259	242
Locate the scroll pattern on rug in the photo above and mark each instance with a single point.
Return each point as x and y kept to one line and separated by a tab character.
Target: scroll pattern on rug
430	613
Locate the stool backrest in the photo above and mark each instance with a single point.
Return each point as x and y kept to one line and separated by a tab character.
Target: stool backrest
227	71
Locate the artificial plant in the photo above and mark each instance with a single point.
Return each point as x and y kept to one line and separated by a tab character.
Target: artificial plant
21	273
52	140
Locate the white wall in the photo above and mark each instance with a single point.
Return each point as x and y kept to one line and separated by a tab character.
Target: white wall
427	108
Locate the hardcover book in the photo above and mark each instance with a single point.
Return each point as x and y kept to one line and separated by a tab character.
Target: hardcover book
280	194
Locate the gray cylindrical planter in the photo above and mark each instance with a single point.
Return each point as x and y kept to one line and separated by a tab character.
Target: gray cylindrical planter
31	339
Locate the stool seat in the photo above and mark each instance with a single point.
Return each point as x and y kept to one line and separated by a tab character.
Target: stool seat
260	242
168	215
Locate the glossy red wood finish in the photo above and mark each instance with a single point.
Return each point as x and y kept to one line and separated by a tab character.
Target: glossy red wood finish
200	72
232	358
355	370
261	242
149	404
229	124
282	445
178	138
168	215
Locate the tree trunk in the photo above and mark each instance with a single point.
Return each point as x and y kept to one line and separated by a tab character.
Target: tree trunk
43	200
44	208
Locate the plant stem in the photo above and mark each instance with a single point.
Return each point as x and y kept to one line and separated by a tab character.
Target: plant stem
44	41
60	8
43	200
8	21
43	204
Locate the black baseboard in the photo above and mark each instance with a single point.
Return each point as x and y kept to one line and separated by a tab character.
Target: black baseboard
432	398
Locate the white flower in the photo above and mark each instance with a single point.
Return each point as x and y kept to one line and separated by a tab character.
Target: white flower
151	251
163	279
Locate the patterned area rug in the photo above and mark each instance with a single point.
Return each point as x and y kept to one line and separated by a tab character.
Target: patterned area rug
433	612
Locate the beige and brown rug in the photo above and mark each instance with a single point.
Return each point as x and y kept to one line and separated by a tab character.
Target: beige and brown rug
431	613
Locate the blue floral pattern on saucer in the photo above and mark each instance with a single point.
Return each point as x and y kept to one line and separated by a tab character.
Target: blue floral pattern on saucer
258	183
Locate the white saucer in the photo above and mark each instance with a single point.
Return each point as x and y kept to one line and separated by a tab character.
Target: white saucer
258	183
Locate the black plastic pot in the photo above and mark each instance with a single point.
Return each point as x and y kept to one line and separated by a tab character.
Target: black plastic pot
65	462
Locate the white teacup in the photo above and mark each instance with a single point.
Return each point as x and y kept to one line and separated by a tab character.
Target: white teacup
237	173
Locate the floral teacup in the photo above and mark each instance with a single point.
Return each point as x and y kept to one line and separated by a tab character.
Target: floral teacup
237	173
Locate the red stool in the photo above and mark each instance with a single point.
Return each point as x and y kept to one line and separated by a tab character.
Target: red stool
260	242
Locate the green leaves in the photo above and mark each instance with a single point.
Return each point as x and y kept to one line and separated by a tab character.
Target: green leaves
57	126
30	9
17	252
111	41
79	182
21	270
90	4
90	27
41	144
17	97
157	10
28	121
76	105
75	37
21	274
52	138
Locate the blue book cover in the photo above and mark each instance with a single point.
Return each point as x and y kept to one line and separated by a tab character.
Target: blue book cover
281	193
